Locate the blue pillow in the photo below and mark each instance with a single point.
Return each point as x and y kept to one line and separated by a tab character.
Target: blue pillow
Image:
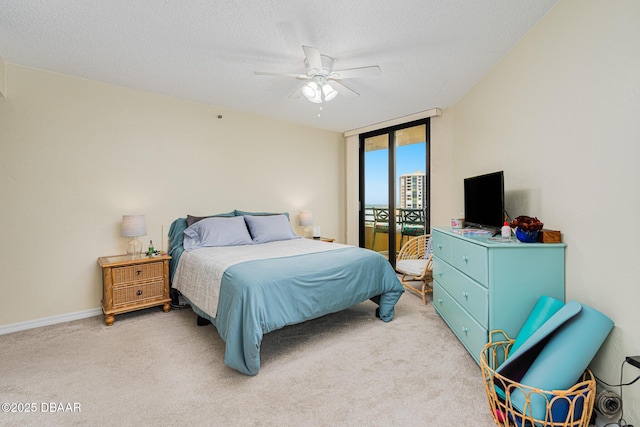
246	213
193	219
217	231
269	228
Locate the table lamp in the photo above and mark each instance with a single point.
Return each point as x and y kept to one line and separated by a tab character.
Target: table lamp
134	226
305	219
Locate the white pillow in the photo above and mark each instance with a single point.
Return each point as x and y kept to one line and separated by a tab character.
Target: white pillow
217	231
270	228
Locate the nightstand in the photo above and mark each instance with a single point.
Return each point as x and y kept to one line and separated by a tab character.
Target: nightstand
134	282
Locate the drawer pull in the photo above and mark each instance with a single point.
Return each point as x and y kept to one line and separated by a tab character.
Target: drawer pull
139	292
439	246
465	258
465	295
465	330
138	272
440	274
440	301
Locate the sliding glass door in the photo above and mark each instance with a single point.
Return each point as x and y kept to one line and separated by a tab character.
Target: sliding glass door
394	186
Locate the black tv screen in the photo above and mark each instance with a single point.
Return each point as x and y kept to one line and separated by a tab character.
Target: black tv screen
484	200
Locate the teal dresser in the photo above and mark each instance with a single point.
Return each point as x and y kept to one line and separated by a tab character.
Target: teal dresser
480	285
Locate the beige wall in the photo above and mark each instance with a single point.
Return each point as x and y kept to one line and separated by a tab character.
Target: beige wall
560	115
444	188
75	155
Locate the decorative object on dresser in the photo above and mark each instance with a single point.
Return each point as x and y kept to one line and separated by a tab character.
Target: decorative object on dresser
549	236
133	282
481	286
527	228
134	226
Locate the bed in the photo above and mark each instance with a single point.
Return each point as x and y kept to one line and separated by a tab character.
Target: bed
250	274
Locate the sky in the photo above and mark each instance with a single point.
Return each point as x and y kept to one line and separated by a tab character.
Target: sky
409	159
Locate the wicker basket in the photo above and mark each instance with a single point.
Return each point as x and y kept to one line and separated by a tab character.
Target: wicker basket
564	408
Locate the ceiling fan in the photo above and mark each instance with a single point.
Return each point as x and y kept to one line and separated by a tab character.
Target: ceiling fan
325	82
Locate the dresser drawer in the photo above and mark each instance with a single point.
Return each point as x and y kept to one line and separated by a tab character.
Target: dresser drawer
442	246
135	273
471	259
472	296
472	335
133	294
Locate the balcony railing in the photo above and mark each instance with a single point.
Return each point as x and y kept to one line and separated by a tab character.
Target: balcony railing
382	239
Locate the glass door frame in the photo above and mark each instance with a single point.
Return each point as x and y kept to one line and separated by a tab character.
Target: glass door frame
391	132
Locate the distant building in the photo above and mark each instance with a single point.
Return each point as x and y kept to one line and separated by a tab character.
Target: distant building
413	188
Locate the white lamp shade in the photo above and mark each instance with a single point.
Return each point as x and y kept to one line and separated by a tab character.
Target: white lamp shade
319	90
329	92
317	99
133	226
310	90
305	218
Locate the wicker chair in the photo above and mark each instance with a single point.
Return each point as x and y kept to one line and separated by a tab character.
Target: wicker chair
415	265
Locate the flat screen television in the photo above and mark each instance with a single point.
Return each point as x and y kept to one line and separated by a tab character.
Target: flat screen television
484	201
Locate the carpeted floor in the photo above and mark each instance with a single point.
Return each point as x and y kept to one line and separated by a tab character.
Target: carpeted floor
155	368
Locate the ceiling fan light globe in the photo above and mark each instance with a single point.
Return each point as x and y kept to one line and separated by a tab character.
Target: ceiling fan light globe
316	99
310	90
329	92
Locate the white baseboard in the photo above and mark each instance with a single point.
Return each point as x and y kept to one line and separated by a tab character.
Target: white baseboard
46	321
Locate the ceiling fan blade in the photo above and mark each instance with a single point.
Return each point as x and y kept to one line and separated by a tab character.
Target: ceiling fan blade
349	73
297	93
343	90
313	57
296	75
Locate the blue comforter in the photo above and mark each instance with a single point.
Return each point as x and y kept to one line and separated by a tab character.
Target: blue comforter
260	296
257	297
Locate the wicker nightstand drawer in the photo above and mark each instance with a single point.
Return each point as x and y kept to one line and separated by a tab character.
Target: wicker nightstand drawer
136	273
134	282
124	295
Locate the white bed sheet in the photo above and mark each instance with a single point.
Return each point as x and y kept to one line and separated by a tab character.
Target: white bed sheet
199	272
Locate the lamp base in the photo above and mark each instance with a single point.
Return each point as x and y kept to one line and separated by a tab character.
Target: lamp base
134	247
308	232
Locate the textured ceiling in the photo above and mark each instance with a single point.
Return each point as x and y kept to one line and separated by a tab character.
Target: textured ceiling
431	52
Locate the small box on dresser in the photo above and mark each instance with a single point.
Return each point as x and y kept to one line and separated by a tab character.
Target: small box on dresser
134	282
549	236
